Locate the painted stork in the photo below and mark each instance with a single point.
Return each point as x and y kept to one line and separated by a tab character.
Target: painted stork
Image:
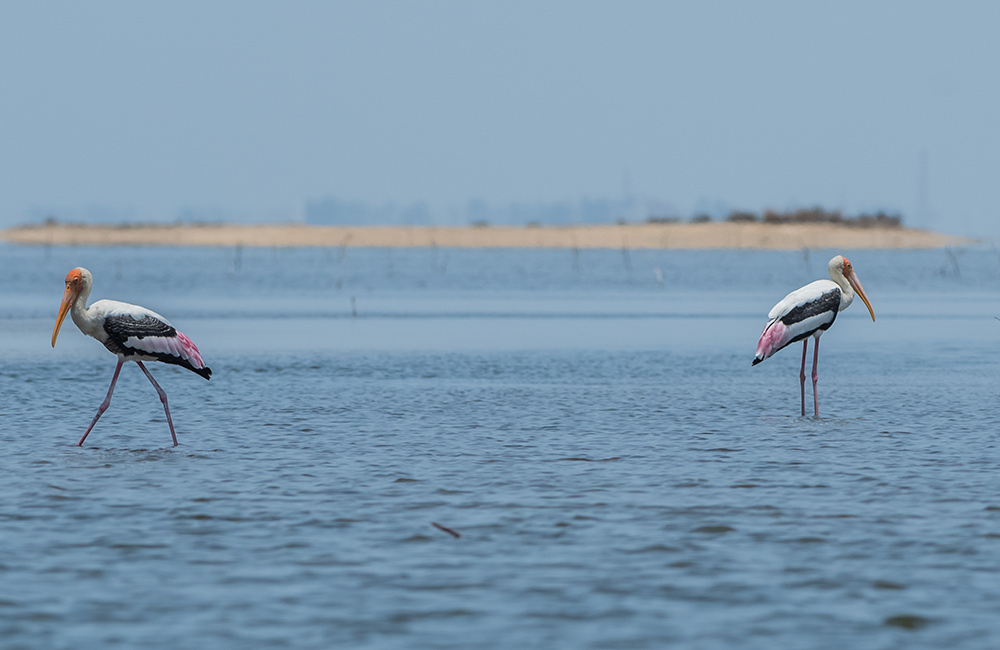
133	333
810	311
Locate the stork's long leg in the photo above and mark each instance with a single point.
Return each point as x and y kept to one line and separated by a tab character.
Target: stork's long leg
104	405
815	376
802	375
163	399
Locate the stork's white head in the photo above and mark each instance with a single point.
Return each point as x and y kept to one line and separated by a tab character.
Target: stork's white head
843	274
78	283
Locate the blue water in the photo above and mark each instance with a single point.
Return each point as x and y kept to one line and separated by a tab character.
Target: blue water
588	422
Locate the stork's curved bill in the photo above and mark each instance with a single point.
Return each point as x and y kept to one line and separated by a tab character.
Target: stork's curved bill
74	284
852	277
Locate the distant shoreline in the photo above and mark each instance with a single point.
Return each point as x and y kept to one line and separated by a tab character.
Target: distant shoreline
629	236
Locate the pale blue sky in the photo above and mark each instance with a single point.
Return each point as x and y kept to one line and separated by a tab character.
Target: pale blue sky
252	108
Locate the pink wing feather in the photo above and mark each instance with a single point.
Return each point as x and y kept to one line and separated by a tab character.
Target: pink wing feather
189	350
774	337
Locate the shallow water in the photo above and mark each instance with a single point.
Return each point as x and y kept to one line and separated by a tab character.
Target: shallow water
588	422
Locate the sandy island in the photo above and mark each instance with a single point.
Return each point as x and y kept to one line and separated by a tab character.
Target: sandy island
634	236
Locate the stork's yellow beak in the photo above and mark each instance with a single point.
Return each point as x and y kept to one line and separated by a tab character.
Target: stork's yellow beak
69	297
852	277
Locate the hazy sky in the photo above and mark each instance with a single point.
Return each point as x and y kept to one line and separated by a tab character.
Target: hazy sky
253	108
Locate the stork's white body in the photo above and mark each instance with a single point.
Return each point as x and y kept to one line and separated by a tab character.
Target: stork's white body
135	342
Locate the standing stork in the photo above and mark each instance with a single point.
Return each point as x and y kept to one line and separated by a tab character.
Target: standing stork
810	311
133	333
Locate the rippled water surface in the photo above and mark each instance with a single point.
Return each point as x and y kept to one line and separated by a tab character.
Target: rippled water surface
588	422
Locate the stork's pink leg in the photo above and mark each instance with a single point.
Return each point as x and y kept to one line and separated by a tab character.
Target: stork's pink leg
815	376
104	405
802	375
163	399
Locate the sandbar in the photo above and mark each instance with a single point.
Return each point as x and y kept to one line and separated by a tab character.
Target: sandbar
613	236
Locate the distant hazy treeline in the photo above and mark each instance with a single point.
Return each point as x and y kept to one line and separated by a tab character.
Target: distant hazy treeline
338	212
333	211
819	215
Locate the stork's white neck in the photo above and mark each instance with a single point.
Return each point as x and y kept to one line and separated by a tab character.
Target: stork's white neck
846	290
80	312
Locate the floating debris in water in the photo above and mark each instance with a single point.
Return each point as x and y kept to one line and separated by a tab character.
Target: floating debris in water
446	529
907	621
